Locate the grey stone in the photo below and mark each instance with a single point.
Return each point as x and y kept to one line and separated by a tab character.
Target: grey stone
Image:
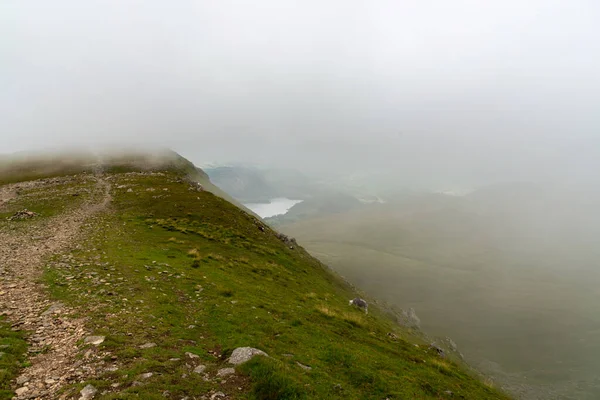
21	391
148	346
147	375
22	379
191	355
88	392
243	354
53	309
200	369
226	372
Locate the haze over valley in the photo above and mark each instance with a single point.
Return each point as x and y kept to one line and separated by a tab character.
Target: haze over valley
442	158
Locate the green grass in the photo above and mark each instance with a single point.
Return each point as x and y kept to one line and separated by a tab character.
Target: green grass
12	357
190	272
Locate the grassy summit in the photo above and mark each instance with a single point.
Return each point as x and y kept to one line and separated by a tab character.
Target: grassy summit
169	269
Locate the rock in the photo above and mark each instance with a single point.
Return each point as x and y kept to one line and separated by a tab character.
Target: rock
95	340
88	392
22	379
21	391
452	344
225	371
410	319
243	354
304	367
290	242
130	190
218	395
200	369
23	214
148	346
191	355
53	309
147	375
439	351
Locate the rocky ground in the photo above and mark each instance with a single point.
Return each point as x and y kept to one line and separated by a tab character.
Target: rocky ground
55	330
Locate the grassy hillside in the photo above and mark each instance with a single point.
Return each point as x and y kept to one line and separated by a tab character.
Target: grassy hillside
169	270
507	274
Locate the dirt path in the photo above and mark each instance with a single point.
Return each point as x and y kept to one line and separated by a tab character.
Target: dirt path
54	332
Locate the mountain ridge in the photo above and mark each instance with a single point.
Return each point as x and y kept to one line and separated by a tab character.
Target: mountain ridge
145	283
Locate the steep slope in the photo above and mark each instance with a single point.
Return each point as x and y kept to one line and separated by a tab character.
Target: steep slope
131	280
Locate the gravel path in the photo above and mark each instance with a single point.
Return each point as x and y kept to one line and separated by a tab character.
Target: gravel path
53	329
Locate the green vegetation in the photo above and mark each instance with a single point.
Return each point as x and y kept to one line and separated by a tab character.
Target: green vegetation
191	273
12	357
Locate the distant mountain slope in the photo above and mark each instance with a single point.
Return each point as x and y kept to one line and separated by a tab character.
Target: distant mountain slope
250	184
509	272
141	283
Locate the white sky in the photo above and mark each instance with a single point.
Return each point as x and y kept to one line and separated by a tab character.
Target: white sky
468	90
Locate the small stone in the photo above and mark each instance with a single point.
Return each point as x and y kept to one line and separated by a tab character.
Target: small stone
88	392
218	395
95	340
200	369
22	390
191	355
49	381
243	354
226	372
174	359
304	367
147	375
22	379
148	346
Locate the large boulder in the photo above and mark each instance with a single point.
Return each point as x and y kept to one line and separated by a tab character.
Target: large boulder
243	354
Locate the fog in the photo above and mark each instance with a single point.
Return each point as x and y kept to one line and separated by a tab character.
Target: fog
466	91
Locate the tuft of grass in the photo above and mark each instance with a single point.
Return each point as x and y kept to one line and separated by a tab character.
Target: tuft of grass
271	380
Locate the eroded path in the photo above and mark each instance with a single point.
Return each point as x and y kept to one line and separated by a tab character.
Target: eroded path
53	329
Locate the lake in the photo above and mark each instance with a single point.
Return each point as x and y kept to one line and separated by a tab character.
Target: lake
277	206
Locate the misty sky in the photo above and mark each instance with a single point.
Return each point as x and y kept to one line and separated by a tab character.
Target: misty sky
462	90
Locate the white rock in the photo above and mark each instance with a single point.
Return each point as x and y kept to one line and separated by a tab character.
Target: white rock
95	340
148	346
146	375
243	354
21	390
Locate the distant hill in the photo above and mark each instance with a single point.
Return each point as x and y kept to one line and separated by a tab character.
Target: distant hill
124	277
250	184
